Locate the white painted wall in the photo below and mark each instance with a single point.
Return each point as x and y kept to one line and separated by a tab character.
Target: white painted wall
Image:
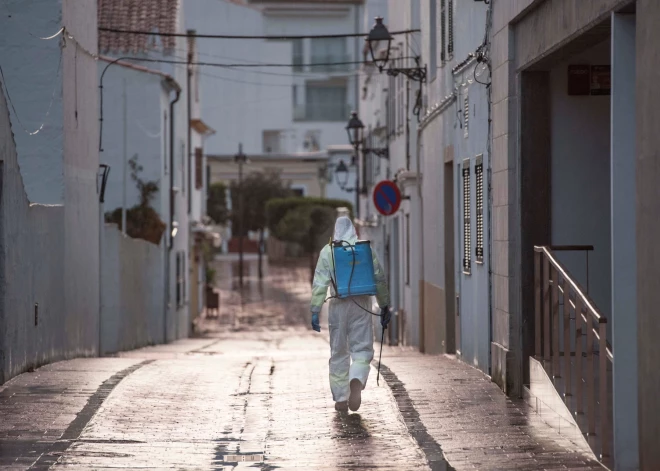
243	103
132	292
50	254
580	195
146	135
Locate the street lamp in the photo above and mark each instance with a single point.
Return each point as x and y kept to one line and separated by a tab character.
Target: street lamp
377	34
355	130
240	159
342	175
380	33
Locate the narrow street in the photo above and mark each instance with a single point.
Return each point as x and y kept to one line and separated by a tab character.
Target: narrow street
252	391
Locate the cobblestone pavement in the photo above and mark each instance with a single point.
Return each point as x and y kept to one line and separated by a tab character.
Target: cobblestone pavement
260	387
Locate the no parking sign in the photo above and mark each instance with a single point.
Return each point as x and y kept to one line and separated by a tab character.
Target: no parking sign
387	197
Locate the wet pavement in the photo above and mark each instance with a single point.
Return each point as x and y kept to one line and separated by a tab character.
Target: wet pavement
252	392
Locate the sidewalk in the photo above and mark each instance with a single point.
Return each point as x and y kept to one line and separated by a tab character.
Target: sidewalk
473	422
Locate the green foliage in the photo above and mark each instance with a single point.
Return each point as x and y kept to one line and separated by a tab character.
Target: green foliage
216	206
142	221
305	221
277	208
258	189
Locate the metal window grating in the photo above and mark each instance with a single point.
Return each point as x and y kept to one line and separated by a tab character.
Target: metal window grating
450	28
479	206
443	29
467	239
466	115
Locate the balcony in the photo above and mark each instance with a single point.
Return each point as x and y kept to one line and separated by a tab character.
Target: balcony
318	112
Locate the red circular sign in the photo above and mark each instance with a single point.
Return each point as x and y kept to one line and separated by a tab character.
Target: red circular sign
387	197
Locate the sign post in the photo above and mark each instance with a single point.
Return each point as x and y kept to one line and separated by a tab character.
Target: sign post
387	197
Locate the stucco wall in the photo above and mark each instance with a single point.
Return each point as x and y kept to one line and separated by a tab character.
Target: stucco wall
31	260
51	253
132	292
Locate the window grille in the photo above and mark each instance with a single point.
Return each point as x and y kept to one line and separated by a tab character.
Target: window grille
466	115
479	206
443	29
433	54
450	29
467	240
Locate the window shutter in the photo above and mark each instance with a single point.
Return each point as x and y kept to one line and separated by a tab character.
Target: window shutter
450	29
466	115
443	29
479	204
199	168
467	241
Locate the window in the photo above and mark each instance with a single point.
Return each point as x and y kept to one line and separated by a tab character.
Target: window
183	168
408	249
179	279
272	142
325	103
329	50
199	168
466	115
433	30
450	29
446	30
443	29
298	55
467	241
479	206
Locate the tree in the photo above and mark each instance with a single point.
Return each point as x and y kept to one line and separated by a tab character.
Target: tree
258	188
216	206
142	221
305	221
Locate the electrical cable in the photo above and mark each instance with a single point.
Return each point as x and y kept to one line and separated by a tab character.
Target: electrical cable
229	36
52	99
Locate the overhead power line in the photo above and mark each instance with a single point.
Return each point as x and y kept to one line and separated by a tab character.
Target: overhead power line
229	66
230	36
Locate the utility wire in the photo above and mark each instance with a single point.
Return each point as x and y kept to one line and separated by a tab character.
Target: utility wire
230	66
230	36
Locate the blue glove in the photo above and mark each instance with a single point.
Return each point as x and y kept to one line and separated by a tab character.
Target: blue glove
315	322
385	316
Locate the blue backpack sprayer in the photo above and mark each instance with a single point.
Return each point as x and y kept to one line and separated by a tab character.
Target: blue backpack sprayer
353	269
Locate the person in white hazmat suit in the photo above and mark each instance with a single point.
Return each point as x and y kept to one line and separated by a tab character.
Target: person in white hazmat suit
350	323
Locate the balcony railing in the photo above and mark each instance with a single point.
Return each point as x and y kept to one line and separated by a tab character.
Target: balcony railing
570	334
318	112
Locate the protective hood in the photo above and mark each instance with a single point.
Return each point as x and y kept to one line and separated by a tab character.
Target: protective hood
344	230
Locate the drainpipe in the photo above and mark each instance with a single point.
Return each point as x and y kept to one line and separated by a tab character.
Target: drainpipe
421	232
170	243
191	46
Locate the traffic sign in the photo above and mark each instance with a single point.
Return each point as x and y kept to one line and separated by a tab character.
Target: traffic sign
387	197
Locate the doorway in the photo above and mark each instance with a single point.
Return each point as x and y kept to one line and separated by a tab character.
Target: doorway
453	326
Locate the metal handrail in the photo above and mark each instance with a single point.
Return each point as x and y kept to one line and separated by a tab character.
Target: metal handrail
556	293
576	286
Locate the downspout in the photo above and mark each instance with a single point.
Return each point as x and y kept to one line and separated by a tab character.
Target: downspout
421	235
191	45
170	243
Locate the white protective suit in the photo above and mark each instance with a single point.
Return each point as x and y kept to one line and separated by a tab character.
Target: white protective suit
351	328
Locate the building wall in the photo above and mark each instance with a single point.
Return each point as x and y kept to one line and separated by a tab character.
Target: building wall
132	292
580	156
299	174
31	260
145	139
648	227
50	254
242	103
523	33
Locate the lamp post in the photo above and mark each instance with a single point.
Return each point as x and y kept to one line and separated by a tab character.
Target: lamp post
240	159
355	130
378	35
